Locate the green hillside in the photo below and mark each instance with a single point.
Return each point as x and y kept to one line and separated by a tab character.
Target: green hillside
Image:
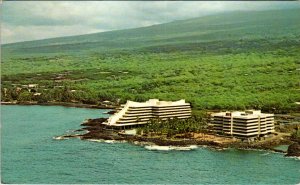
234	60
222	27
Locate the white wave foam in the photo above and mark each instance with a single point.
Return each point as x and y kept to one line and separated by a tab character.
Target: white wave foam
167	148
141	143
109	141
293	157
106	141
60	138
96	140
155	147
115	141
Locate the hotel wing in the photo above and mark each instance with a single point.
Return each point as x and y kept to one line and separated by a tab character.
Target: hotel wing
137	113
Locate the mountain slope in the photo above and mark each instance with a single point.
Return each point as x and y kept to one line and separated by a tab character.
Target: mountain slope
232	61
222	27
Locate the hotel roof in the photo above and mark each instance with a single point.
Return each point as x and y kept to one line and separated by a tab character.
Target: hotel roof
248	114
156	103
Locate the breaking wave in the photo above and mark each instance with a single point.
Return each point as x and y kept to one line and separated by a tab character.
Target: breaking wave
60	138
107	141
167	148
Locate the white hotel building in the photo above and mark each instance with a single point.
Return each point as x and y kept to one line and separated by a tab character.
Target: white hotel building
248	124
138	113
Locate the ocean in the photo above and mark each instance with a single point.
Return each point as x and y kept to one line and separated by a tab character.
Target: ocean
30	154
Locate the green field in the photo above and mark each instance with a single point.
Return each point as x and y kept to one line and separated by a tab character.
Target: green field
229	61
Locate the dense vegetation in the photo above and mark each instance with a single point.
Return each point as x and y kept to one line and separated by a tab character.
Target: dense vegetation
231	61
295	135
172	127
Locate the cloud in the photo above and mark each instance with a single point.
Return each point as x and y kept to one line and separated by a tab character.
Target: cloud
38	20
29	32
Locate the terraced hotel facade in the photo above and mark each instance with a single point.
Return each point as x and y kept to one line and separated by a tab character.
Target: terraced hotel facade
138	113
248	124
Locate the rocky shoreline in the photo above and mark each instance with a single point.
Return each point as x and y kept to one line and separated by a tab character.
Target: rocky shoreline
97	131
65	104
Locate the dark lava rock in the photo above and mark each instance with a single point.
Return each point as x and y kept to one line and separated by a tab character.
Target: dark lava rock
79	130
111	112
102	134
294	150
94	122
168	142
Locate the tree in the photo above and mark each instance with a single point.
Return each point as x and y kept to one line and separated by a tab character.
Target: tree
66	95
24	96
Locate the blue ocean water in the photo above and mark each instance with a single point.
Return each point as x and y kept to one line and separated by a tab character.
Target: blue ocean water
31	155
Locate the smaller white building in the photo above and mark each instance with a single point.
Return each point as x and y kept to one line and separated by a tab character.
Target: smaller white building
251	123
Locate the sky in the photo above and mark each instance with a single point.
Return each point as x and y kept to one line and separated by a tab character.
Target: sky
25	20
